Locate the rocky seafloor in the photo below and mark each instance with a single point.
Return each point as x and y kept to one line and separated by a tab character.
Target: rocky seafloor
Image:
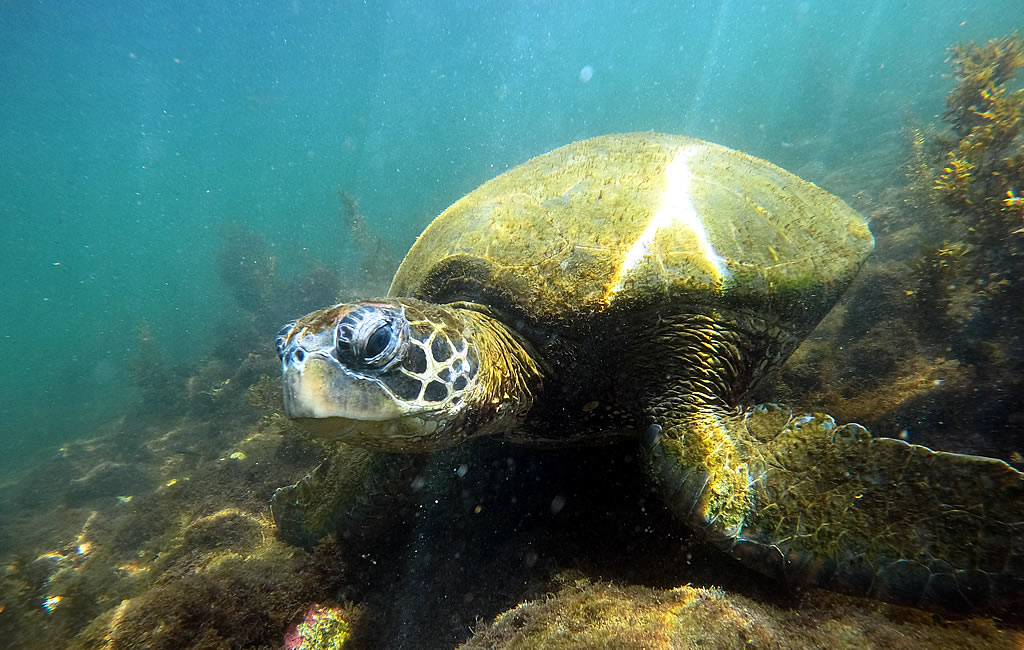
161	538
156	533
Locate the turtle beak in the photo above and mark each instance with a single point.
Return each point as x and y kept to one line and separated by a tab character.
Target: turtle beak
335	405
317	386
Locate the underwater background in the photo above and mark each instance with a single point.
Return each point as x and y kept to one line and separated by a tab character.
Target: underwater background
180	178
132	134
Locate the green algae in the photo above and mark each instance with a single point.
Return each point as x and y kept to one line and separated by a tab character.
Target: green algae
584	614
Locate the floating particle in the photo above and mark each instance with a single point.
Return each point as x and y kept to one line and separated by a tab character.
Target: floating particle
557	504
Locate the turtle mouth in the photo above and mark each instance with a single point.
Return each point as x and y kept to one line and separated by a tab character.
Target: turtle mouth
332	428
405	434
338	406
316	386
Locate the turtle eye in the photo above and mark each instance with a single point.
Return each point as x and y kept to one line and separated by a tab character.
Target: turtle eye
369	337
376	346
282	337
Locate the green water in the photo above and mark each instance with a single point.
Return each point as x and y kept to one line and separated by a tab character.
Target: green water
130	133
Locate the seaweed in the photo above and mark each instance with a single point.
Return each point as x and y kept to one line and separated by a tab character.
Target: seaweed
983	169
925	344
161	387
245	266
585	614
969	280
249	270
374	252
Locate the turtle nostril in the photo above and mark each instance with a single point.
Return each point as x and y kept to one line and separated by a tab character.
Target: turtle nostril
299	355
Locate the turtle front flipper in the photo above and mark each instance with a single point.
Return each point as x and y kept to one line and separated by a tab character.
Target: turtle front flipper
809	502
344	494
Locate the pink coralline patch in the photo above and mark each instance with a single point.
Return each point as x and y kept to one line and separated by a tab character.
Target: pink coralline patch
292	638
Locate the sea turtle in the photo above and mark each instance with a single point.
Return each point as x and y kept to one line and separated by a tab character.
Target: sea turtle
641	285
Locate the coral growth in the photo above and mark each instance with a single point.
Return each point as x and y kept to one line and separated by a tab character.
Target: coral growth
164	543
265	296
323	627
249	270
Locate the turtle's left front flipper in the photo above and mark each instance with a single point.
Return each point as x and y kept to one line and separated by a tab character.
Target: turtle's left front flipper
348	494
835	507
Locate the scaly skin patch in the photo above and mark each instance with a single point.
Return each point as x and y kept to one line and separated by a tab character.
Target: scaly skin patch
510	375
701	446
809	502
700	461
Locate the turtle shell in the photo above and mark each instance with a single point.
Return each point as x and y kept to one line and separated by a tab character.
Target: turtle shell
622	222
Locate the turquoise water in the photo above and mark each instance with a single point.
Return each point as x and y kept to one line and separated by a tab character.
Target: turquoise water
129	134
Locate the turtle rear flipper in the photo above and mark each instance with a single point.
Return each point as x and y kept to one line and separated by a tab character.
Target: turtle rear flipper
832	506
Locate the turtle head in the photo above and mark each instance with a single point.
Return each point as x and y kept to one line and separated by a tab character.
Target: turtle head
392	374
